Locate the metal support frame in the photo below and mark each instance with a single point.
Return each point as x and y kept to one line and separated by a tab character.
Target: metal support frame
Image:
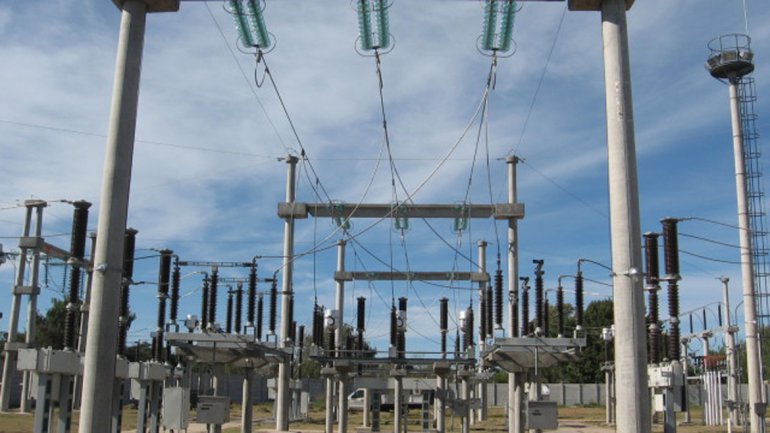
11	347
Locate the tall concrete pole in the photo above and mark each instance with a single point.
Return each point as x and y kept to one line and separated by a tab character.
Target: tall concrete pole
732	362
9	363
284	369
248	403
339	304
753	368
99	368
632	412
515	380
481	387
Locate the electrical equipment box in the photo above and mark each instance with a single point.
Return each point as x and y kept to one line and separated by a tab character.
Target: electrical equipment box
213	409
665	376
176	408
49	361
121	368
542	415
147	371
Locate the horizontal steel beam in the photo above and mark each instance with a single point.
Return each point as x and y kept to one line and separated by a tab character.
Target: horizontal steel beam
349	210
410	276
217	264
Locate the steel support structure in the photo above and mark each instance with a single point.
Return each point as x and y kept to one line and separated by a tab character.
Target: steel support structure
19	289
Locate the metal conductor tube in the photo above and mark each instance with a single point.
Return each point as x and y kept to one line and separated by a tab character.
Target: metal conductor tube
77	251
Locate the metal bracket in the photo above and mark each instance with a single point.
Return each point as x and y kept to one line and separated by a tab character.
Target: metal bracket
154	5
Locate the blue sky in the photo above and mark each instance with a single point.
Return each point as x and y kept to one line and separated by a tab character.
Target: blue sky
206	178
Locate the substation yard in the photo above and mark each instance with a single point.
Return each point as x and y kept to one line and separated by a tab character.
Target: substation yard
572	419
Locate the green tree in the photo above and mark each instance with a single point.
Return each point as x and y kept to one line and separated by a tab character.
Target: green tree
585	369
49	329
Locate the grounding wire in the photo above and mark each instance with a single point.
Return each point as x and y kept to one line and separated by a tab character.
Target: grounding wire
711	259
565	190
515	150
701	238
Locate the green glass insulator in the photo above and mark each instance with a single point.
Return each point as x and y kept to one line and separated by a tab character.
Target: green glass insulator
490	25
365	24
261	34
241	23
506	31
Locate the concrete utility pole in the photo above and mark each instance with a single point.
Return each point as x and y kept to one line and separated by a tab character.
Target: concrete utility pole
515	380
342	397
284	369
99	368
481	387
632	412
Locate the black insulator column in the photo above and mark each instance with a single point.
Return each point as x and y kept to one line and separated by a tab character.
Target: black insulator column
77	252
260	316
524	306
205	303
457	343
482	314
545	315
443	323
579	301
402	333
293	331
652	281
490	313
499	298
164	273
175	279
469	319
671	258
560	310
291	317
252	295
273	305
238	308
514	297
393	327
229	312
539	323
129	244
213	296
330	346
318	325
361	322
